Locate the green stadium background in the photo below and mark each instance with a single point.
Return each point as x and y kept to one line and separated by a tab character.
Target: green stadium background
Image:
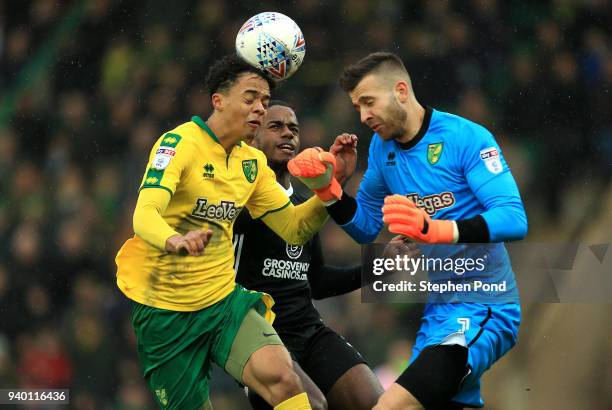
87	86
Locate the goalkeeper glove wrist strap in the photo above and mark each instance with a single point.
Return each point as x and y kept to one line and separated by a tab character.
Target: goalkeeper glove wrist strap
331	193
473	230
344	210
445	231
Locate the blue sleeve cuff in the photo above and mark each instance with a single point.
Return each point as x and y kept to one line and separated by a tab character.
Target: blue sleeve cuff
506	223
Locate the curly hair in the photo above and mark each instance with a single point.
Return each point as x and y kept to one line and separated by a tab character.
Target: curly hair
224	72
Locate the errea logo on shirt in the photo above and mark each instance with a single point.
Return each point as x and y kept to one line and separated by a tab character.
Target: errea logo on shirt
225	211
209	171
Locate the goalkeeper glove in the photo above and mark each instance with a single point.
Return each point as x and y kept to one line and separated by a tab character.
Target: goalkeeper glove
404	218
315	168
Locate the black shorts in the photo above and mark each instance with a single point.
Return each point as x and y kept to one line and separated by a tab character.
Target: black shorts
436	375
322	353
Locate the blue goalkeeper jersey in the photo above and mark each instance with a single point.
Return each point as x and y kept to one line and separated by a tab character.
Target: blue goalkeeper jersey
453	169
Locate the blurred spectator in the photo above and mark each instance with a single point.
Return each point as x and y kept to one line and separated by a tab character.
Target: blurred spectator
8	376
27	254
27	199
600	98
44	362
522	117
8	150
87	342
133	396
18	45
566	139
473	106
75	147
11	319
38	306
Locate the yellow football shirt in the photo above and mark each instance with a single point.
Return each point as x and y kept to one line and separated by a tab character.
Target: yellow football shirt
208	189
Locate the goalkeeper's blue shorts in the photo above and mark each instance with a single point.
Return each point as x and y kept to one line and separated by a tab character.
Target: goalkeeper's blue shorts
488	331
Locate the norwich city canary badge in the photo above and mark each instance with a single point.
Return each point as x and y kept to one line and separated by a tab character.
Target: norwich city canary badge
249	167
434	151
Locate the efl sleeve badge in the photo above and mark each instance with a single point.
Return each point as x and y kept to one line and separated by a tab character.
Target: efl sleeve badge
163	156
490	157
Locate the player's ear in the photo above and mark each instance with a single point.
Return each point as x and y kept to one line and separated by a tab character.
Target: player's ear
401	90
217	101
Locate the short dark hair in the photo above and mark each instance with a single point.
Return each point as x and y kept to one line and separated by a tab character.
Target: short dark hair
353	74
282	103
224	72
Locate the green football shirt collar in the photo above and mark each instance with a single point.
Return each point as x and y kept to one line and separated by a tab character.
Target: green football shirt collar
205	127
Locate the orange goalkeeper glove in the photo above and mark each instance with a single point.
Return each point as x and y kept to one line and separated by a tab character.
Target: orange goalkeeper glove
315	168
405	218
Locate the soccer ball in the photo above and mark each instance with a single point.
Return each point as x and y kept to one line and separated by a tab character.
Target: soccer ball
273	43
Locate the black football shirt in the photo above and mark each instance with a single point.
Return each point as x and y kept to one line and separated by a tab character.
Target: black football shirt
266	263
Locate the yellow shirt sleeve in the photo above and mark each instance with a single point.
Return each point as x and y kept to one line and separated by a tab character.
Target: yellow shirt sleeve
148	221
168	161
297	224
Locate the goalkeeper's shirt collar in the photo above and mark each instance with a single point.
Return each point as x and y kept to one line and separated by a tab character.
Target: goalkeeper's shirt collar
422	131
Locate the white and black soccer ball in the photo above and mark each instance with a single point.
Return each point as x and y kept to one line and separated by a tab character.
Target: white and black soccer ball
273	43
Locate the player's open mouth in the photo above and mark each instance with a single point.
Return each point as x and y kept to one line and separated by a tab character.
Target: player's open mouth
286	147
376	127
253	124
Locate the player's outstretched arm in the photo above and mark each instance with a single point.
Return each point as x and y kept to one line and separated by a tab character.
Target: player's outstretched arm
327	281
332	281
270	203
297	224
361	218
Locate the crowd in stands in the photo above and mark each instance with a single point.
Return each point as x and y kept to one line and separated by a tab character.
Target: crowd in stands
86	87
